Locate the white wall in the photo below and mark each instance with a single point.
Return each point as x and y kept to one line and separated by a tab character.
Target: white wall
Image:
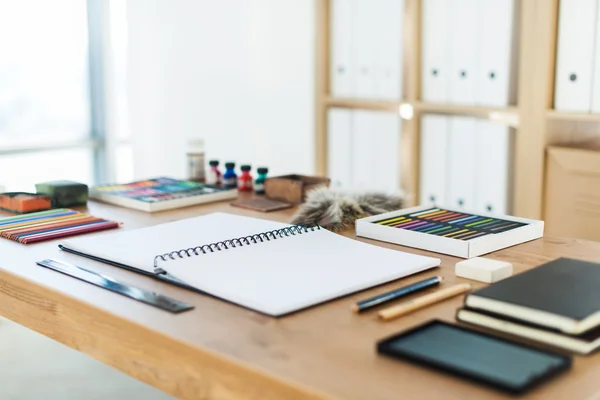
238	73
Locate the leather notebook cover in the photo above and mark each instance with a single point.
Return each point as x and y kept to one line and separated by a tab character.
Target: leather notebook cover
564	287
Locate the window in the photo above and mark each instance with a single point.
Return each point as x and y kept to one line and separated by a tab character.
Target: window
53	103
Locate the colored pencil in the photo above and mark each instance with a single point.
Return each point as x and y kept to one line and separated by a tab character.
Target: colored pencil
46	225
424	301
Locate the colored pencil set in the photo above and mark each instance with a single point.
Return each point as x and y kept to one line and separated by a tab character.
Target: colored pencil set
52	224
451	224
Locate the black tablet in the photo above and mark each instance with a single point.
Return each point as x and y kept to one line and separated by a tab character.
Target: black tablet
503	364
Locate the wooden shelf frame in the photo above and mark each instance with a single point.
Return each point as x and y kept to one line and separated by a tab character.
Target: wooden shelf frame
362	104
537	51
507	115
555	115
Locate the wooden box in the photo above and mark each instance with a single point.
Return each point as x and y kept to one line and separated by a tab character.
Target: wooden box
572	198
292	188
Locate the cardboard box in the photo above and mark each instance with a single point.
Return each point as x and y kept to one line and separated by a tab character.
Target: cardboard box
292	188
530	230
572	198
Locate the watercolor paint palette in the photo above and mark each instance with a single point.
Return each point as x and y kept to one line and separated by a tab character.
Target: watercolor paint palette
455	232
160	194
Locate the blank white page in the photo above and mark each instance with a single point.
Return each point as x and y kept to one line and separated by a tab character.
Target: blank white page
291	273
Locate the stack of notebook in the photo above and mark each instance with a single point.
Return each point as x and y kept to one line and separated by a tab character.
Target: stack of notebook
557	304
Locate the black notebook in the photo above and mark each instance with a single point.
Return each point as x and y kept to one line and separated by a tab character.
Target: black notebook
584	343
563	294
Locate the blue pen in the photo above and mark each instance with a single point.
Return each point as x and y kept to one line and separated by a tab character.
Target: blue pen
396	294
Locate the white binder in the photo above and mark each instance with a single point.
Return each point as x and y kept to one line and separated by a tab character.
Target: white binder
363	149
433	159
461	163
435	51
575	48
387	155
375	151
366	49
464	21
339	147
496	74
388	47
493	167
595	108
364	37
342	69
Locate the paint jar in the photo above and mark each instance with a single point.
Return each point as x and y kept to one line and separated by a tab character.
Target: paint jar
213	176
245	179
229	177
259	185
195	160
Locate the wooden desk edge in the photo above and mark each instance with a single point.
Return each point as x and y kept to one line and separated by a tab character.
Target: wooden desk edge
205	373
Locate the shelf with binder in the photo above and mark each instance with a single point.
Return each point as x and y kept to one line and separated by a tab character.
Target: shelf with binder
511	80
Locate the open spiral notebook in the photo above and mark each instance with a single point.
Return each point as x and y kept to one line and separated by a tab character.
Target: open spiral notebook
267	266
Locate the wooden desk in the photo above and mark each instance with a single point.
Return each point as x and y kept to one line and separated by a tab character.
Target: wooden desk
221	351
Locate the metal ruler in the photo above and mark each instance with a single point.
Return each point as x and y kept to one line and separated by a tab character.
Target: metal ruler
106	282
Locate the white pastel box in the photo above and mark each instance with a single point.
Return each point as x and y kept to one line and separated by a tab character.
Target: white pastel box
531	230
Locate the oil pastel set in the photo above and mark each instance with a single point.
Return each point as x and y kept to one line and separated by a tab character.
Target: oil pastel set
448	231
47	225
457	225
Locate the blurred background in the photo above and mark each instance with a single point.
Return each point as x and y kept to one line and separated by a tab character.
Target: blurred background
103	91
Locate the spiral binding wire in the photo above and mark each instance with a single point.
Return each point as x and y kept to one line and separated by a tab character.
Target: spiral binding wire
232	243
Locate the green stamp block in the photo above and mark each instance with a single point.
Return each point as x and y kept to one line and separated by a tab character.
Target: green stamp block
64	193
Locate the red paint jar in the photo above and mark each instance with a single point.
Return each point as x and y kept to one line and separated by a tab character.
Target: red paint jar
245	179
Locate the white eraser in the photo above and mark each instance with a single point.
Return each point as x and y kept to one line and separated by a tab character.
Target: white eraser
483	269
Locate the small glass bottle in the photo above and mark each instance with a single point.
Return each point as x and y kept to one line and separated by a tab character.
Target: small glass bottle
213	176
245	179
259	185
195	160
229	177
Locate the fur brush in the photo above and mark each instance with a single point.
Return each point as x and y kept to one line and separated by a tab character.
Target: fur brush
337	211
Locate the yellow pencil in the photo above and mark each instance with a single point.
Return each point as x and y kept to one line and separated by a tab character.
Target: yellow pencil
423	301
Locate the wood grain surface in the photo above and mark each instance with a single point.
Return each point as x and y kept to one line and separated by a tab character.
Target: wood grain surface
222	351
